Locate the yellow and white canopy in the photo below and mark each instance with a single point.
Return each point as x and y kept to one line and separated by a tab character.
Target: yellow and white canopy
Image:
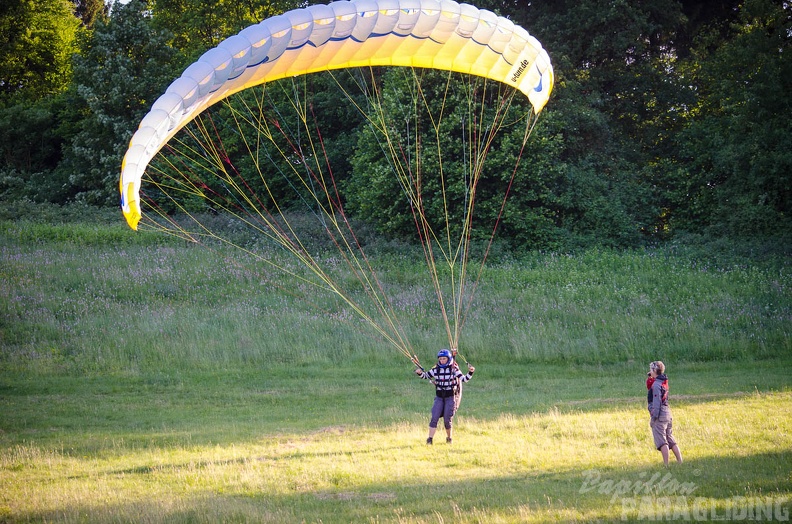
438	34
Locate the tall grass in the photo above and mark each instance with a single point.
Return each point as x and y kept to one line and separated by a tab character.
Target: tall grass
108	300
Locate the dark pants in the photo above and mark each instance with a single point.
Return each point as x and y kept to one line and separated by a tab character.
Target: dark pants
442	407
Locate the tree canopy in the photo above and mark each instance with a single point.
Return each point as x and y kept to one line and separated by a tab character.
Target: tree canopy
669	117
37	39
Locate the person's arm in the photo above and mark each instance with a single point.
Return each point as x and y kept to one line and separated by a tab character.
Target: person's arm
424	374
469	375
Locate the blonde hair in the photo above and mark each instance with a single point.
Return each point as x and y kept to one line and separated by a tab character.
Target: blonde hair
657	366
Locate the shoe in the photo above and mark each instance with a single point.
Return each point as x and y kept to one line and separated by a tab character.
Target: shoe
429	441
448	440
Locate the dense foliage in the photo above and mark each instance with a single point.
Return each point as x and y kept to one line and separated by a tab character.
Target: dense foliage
670	118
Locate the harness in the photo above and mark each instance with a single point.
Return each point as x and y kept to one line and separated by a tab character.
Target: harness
449	377
454	379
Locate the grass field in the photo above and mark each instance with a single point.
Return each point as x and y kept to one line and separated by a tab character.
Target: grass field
148	381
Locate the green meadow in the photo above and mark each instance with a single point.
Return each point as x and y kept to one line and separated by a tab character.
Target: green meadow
144	379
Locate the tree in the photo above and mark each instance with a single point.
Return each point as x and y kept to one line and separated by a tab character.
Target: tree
199	25
613	109
122	68
37	39
427	146
734	167
90	11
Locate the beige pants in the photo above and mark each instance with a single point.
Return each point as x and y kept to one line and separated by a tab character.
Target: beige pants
662	431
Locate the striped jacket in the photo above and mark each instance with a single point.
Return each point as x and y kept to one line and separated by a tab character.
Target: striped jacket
446	379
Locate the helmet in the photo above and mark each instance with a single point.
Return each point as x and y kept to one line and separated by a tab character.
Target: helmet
447	354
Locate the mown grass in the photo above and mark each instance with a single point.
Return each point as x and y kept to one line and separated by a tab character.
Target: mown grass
147	380
261	446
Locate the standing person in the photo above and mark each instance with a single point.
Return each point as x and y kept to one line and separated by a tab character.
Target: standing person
661	421
446	378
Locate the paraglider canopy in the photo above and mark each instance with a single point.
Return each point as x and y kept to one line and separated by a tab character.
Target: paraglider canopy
437	34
